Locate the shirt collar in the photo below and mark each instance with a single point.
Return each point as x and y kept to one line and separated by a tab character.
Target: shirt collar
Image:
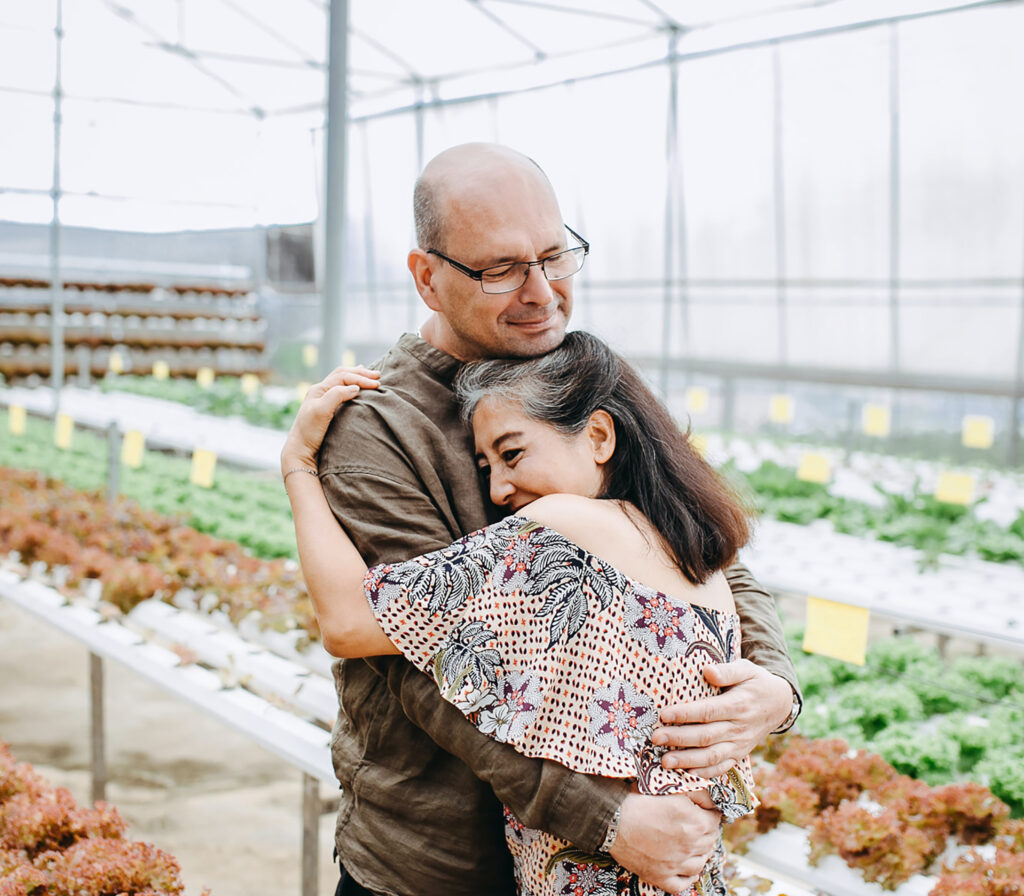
439	362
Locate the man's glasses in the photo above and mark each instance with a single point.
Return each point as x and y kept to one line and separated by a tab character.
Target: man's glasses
512	275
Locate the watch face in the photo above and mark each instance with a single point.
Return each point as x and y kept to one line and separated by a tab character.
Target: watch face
792	717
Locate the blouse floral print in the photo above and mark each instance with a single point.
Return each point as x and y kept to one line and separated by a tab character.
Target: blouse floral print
545	647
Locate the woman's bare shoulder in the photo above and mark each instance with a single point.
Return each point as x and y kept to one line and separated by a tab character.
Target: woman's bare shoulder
590	522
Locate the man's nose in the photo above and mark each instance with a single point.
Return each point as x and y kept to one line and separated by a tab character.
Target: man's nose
537	288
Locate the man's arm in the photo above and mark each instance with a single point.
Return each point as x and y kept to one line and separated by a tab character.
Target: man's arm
764	642
666	840
709	736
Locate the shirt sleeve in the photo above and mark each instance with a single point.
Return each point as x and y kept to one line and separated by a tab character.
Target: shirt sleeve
764	642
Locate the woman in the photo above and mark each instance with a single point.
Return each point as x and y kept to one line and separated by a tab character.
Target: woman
561	629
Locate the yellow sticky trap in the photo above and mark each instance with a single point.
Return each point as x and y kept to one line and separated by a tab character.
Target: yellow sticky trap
250	384
700	444
16	420
814	468
781	409
836	630
203	464
204	376
310	355
978	431
955	488
301	389
133	447
62	431
161	370
115	363
696	399
876	420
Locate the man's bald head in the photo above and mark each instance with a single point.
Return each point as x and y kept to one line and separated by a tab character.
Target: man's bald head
470	172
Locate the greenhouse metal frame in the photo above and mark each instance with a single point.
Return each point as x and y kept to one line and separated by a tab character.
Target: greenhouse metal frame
674	297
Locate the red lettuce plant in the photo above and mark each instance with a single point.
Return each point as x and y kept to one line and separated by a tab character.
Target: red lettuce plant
51	846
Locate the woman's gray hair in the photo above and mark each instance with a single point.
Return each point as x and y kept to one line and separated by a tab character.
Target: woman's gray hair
544	386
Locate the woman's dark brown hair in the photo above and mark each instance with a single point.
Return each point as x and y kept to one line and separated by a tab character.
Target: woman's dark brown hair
655	466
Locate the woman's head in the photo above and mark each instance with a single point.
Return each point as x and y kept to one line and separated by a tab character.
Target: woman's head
525	458
580	419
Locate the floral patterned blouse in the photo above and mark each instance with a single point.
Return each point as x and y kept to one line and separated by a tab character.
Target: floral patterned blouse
545	647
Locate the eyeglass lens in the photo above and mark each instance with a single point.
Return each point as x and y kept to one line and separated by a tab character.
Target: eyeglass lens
509	277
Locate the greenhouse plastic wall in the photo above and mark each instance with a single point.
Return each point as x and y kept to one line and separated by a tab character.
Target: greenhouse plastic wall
852	201
841	209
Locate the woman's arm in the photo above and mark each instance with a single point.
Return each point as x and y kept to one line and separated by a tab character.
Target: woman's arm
331	565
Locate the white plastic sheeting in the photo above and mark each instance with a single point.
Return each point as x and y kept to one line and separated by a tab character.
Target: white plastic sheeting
822	234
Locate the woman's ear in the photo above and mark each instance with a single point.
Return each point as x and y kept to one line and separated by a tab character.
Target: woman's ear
601	432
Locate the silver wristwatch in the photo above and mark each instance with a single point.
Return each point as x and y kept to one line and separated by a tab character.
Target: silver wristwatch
794	712
613	832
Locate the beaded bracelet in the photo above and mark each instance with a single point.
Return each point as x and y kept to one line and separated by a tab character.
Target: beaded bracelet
299	470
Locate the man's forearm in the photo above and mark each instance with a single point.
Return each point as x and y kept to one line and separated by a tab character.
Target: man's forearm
542	794
763	641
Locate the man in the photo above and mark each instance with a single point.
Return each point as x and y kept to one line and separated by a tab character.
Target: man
420	813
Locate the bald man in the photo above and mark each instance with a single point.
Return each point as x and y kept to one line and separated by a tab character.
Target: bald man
422	789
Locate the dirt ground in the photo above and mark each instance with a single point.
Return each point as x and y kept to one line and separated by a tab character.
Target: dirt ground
227	809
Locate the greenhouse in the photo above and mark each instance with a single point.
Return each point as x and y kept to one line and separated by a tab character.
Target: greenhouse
801	222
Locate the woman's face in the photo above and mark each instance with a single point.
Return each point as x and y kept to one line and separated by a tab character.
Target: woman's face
526	459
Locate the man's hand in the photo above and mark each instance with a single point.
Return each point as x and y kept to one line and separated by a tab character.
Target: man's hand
667	840
710	736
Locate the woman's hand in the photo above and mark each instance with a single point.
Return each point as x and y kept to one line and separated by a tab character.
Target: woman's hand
317	410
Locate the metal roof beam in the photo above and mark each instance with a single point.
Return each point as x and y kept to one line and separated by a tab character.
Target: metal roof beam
574	11
266	29
508	29
685	56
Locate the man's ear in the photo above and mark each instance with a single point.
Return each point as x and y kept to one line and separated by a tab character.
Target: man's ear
422	271
601	431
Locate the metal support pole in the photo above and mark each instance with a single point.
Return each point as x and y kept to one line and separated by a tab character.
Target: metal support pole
729	405
671	209
56	285
368	235
414	308
780	206
83	361
97	730
894	196
113	464
852	415
332	309
311	810
1013	449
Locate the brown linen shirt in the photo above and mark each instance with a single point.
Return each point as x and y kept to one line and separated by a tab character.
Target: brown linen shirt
420	812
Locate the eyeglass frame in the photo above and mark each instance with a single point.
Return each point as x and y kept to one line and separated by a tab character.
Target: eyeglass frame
479	275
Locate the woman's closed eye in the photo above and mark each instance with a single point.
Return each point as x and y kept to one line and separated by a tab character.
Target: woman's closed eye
511	455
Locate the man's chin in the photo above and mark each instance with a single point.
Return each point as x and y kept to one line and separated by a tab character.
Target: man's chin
530	340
